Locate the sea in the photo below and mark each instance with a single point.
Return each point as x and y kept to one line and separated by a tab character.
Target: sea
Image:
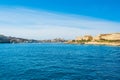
58	61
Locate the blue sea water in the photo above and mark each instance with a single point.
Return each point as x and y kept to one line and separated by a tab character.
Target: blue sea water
59	62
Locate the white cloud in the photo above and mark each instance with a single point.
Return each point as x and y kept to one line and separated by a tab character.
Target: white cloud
38	24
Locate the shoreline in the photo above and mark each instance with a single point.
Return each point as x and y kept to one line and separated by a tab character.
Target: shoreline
104	43
87	43
95	43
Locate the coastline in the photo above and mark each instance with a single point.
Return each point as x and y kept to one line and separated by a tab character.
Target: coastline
112	39
95	43
104	43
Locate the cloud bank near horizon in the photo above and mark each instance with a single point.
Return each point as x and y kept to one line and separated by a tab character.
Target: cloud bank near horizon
38	24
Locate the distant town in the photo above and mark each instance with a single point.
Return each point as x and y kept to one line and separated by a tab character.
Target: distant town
9	39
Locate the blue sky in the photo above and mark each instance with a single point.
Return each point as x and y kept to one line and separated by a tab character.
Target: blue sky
47	19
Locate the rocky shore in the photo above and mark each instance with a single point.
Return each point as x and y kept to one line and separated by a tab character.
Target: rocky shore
112	39
104	43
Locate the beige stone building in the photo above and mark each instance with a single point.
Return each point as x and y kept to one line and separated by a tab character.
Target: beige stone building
87	37
79	38
114	36
96	38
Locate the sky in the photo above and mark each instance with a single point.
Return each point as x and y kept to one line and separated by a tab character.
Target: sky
49	19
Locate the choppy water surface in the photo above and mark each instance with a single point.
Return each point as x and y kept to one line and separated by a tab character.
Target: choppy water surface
59	62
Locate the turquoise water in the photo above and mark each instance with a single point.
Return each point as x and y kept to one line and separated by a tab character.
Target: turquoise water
59	62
